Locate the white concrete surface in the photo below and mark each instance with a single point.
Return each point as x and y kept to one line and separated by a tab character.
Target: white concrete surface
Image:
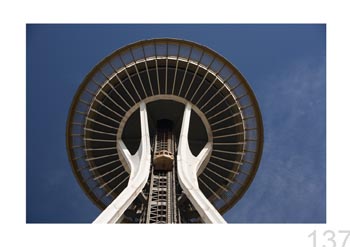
188	166
139	166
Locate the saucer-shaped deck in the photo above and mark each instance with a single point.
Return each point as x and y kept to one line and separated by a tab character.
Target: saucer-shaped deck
166	74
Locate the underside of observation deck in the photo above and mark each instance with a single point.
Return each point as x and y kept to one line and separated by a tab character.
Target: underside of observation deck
166	74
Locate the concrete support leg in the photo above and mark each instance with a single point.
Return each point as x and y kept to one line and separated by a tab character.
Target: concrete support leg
139	165
187	168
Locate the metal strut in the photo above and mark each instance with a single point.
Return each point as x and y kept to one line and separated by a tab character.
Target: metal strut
160	205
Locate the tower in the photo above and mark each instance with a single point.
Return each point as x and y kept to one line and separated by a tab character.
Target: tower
164	131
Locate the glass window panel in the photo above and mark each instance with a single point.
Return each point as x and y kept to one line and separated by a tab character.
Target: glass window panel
216	65
173	49
185	51
116	63
196	54
126	58
107	70
149	51
161	49
137	53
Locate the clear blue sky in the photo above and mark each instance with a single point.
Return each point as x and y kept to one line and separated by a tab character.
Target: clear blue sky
284	64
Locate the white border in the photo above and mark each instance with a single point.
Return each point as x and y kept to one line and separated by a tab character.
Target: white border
15	14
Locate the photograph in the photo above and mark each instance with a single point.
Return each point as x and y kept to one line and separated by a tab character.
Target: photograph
175	123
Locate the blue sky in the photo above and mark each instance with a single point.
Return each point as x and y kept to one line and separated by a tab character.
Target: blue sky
284	64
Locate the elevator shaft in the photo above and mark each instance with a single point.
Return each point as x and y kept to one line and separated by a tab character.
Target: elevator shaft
162	199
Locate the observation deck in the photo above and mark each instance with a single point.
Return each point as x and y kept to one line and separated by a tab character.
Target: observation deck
166	75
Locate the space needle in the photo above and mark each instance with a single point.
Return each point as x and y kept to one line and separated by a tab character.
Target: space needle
164	131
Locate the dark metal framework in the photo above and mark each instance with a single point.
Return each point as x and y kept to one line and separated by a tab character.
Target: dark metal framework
151	69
